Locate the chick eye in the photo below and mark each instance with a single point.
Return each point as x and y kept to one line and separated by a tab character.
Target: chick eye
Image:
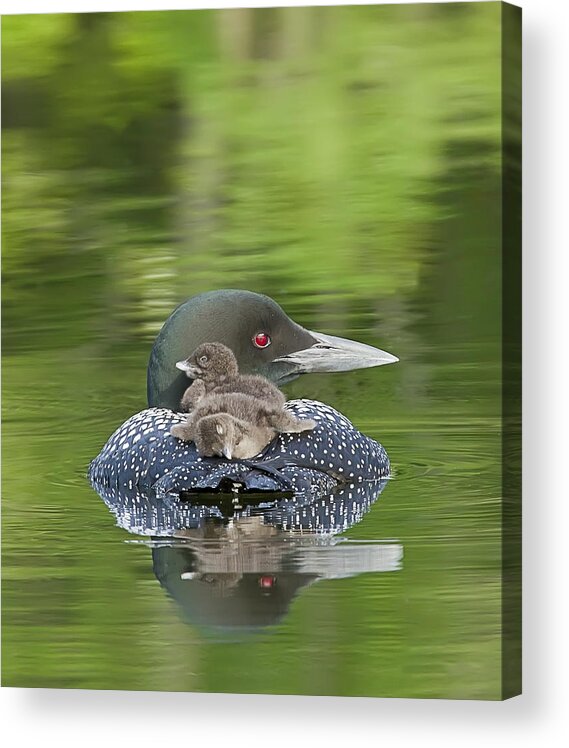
261	340
203	359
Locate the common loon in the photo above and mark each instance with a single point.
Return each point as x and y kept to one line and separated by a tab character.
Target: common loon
142	454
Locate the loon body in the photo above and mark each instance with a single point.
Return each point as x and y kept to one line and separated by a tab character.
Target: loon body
143	455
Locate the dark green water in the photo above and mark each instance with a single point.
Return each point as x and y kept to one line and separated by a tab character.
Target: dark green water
343	161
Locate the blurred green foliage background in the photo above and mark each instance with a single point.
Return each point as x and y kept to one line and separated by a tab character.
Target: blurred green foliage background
156	155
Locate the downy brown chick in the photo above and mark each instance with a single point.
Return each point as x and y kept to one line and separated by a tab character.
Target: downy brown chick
214	368
235	425
224	435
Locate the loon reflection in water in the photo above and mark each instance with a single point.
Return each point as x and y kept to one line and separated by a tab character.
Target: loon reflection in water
232	570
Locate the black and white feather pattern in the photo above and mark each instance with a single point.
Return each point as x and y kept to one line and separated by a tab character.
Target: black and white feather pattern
142	455
142	513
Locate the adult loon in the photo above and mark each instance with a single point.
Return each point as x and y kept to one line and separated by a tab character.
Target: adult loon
143	454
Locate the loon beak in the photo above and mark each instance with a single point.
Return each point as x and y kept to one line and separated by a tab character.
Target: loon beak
330	353
227	453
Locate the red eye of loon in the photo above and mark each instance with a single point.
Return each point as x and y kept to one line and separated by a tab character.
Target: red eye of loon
267	582
262	340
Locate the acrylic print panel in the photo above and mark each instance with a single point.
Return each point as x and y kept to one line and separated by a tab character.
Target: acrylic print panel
354	173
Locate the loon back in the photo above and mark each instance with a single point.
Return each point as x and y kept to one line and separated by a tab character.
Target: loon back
143	455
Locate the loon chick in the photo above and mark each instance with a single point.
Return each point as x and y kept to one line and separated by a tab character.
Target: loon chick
214	368
254	424
226	436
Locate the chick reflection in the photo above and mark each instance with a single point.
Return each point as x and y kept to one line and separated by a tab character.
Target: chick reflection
244	575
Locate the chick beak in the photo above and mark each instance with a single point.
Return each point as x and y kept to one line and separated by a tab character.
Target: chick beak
191	370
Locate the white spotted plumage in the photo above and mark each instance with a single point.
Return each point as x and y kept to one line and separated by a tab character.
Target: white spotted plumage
143	453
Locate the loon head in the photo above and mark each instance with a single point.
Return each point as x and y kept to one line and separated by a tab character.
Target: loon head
262	337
